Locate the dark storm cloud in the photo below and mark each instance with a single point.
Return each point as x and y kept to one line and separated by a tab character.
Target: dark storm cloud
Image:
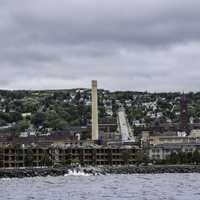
140	45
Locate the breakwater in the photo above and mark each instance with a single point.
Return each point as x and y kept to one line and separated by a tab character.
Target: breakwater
155	169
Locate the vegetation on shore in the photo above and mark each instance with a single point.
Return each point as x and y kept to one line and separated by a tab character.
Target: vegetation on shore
58	109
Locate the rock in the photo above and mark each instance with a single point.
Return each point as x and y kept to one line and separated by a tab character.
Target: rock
31	172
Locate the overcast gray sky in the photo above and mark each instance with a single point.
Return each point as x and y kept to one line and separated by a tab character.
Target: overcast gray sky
151	45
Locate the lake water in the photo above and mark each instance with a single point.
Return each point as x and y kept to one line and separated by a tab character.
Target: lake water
109	187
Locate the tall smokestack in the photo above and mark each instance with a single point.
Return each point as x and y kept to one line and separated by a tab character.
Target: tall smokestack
95	125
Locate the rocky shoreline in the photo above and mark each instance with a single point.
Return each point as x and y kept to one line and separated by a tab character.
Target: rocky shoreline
154	169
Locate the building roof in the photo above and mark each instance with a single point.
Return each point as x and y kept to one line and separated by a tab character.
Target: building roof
176	146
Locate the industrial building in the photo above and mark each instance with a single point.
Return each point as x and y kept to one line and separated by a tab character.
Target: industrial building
163	151
60	155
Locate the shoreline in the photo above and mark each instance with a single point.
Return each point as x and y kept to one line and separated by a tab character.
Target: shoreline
103	170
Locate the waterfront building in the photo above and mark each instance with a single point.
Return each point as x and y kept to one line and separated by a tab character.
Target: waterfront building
61	155
163	151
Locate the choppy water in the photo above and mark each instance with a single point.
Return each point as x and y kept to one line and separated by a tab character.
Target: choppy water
109	187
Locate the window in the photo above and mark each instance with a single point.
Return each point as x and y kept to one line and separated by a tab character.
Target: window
6	151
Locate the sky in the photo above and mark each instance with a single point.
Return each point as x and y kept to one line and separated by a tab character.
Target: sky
135	45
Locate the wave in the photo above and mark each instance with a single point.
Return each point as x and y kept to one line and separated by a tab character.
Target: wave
76	173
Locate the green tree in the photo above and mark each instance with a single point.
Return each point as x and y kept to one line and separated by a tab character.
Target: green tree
141	157
23	125
196	157
173	158
58	124
126	156
38	119
46	160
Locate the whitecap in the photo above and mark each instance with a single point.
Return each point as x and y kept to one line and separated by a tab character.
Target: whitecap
76	173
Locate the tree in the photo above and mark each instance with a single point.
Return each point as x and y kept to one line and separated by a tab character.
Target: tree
46	160
141	157
173	158
196	157
23	125
38	119
57	124
2	122
5	117
31	105
15	116
126	156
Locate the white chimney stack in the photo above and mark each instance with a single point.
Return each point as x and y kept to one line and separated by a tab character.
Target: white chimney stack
95	125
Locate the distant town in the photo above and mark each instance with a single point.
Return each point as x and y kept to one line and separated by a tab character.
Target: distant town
98	127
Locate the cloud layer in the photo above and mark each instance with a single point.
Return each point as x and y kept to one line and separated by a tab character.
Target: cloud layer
130	45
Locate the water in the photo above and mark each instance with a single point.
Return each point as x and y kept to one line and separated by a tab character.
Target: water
109	187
